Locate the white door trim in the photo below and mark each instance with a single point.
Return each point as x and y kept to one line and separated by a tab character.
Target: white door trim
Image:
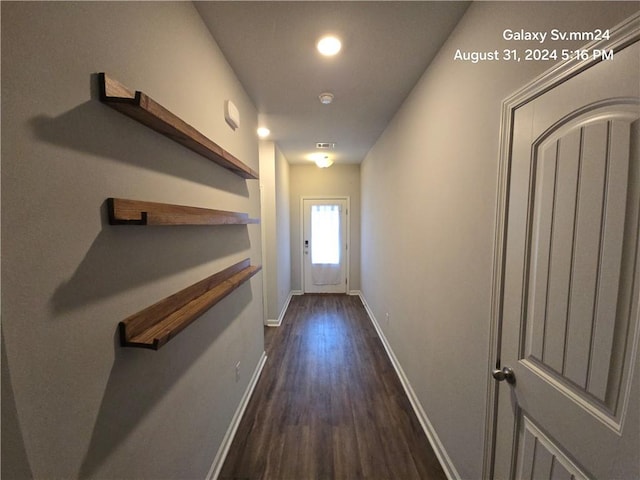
348	234
622	35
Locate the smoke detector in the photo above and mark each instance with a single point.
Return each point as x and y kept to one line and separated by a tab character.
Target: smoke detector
326	98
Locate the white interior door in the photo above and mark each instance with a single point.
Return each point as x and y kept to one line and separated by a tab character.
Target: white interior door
570	315
325	245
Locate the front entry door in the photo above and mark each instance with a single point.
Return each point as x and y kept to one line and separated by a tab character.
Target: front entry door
325	245
569	407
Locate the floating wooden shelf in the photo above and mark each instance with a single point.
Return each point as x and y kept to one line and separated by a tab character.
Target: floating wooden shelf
145	110
134	212
156	325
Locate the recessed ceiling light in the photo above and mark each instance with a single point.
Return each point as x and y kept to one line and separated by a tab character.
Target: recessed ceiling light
326	98
263	132
329	45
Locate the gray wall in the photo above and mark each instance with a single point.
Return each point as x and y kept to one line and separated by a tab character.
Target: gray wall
311	181
274	182
428	209
74	403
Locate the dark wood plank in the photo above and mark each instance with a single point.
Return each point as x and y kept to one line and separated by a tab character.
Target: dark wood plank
150	113
329	404
136	212
154	326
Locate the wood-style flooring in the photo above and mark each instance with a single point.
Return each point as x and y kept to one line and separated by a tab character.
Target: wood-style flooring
329	404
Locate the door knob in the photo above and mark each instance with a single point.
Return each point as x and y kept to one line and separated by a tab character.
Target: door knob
505	374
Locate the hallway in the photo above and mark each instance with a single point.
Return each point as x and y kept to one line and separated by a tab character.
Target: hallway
421	149
328	403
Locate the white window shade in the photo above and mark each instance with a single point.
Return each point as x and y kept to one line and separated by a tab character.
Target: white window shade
325	234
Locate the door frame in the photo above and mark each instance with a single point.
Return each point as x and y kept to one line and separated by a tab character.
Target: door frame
621	36
347	233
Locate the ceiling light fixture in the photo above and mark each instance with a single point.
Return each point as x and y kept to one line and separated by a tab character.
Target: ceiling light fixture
263	132
326	98
322	160
329	45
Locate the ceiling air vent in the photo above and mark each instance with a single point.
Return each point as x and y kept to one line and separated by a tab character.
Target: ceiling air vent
325	145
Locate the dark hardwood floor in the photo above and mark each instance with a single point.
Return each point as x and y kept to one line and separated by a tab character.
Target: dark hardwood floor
329	404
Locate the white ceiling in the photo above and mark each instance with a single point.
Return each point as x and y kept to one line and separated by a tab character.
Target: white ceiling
386	46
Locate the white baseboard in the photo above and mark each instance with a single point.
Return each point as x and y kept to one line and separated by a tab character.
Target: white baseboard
356	293
216	466
447	465
278	321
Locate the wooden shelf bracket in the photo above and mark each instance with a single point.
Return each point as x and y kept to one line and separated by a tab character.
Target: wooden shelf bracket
147	111
135	212
154	326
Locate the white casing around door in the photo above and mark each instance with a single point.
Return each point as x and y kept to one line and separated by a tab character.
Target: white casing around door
325	275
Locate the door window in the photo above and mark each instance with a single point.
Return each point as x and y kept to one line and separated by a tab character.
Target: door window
325	234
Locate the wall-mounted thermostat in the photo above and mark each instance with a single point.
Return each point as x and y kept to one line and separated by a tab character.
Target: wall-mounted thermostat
231	114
